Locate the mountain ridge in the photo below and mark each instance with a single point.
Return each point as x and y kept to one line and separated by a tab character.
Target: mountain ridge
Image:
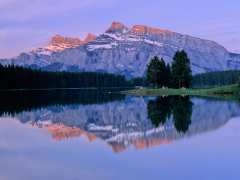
59	43
127	50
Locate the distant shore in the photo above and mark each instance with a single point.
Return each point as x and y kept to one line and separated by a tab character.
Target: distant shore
229	90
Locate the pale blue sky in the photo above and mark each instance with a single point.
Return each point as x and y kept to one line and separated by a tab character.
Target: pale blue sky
25	24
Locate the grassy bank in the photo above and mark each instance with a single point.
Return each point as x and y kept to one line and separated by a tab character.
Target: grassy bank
230	90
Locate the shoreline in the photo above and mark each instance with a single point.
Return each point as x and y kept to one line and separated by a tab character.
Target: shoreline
229	90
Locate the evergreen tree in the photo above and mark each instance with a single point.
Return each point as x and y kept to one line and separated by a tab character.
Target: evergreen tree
181	70
153	71
162	81
168	76
157	72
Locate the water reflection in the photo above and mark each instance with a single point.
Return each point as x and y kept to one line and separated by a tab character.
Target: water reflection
18	101
182	113
121	122
162	108
159	110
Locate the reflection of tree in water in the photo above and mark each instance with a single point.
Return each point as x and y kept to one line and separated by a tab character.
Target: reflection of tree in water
182	113
160	109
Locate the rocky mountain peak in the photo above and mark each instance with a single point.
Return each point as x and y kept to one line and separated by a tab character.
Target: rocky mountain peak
58	39
147	30
59	43
117	27
90	37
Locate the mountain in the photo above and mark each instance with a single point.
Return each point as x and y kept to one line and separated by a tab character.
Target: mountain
59	43
127	51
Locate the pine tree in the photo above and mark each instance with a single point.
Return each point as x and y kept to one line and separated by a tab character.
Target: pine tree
153	71
168	76
162	81
181	70
158	73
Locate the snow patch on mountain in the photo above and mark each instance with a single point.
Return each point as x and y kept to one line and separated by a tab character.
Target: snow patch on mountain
101	46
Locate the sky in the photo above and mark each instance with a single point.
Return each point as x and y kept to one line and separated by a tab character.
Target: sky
28	24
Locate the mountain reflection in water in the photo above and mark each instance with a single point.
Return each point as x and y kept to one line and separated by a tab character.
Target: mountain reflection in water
119	121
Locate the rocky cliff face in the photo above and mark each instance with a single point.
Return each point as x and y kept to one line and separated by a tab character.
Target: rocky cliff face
127	51
59	43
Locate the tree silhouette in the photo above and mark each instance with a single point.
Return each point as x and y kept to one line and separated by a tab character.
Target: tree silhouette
181	70
159	110
158	73
168	76
182	113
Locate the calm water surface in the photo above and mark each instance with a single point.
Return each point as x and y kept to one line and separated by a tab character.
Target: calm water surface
92	135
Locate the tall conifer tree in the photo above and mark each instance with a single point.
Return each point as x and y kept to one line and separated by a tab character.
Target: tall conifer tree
181	70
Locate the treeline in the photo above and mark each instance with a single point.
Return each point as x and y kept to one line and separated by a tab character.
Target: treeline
15	77
215	79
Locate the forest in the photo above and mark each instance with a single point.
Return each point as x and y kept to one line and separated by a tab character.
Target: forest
16	77
204	80
212	79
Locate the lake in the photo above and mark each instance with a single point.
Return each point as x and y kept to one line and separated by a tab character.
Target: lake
103	135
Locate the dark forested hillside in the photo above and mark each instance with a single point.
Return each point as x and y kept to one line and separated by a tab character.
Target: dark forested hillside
13	77
216	78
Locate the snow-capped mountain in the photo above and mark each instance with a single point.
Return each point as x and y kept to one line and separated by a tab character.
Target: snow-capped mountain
126	51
